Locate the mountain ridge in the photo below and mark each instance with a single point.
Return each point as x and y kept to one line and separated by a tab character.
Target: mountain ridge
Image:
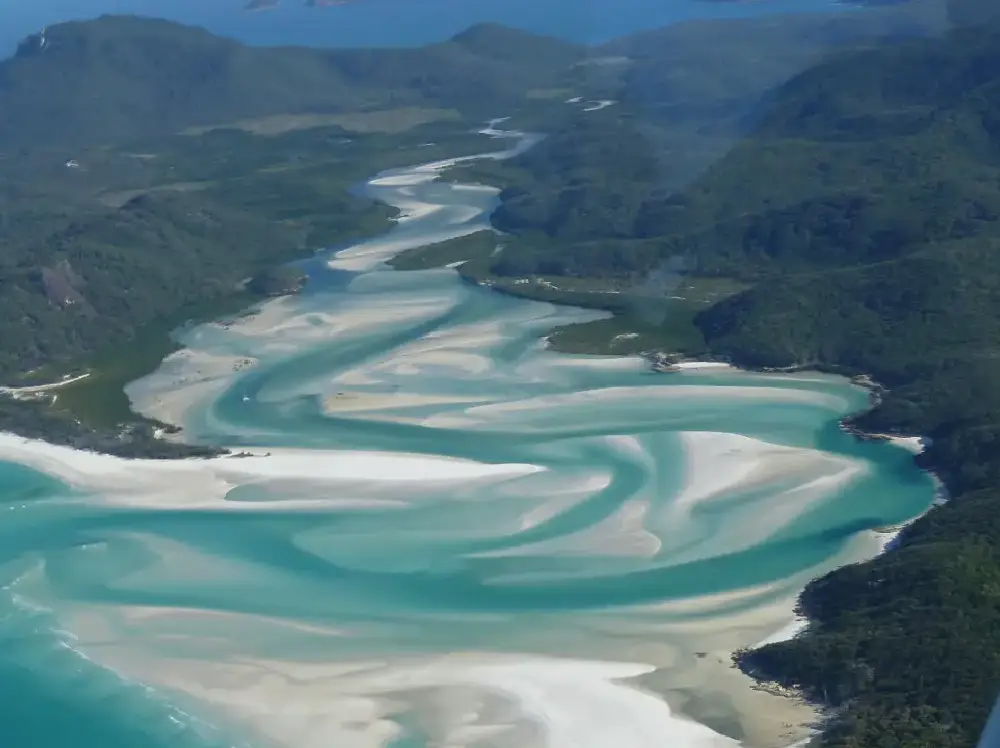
120	77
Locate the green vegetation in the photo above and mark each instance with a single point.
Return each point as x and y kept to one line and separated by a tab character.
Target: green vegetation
83	285
122	77
479	246
644	320
627	334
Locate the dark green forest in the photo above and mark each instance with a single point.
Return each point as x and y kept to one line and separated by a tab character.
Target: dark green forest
861	214
122	77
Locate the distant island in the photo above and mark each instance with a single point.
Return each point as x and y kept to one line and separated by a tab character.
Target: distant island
259	5
862	3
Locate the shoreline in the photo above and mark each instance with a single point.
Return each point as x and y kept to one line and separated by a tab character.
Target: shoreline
916	444
889	536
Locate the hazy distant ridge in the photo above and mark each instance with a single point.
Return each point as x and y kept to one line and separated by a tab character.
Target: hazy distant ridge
119	77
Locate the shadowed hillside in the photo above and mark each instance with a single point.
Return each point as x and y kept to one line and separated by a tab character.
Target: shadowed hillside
855	228
121	77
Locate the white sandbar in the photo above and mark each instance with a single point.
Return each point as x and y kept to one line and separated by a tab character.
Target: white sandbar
193	483
699	365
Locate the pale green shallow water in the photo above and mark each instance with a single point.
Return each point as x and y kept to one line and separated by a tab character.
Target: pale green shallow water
598	555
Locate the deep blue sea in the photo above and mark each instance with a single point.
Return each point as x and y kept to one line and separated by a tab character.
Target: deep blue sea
367	23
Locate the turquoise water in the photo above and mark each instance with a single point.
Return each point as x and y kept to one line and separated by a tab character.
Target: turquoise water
445	504
373	23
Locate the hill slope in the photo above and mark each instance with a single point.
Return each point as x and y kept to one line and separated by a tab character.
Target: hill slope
712	73
120	77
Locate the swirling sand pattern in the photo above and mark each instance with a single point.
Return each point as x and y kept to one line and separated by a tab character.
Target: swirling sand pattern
439	532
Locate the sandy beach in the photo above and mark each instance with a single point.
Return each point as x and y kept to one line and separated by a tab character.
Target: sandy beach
40	388
206	482
521	700
700	365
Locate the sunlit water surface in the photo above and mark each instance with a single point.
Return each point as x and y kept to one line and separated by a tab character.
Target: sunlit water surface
459	537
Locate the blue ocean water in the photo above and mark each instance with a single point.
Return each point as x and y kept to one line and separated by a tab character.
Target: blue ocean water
372	23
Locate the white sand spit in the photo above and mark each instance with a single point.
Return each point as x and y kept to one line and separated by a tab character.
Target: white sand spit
584	705
34	389
914	444
193	483
785	633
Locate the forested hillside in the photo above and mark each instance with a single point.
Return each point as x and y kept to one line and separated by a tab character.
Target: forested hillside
862	216
710	74
122	77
